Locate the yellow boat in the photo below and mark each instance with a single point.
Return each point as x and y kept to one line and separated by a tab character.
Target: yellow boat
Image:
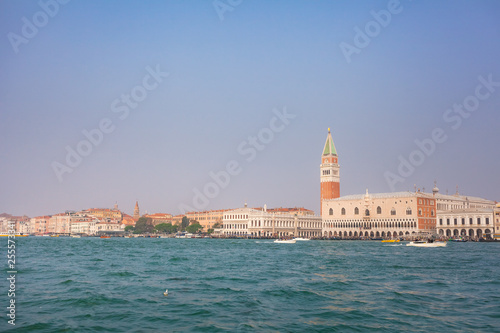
390	241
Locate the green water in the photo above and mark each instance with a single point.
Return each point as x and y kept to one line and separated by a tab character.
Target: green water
116	285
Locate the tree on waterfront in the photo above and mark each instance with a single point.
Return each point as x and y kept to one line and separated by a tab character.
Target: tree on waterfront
215	226
144	225
184	223
129	228
167	228
194	227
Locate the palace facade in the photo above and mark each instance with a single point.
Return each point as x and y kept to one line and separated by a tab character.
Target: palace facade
400	214
379	215
464	216
270	223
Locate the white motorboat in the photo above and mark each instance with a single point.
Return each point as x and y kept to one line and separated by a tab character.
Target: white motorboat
302	239
285	241
426	244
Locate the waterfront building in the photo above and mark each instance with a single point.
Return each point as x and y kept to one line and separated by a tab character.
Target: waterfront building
24	227
128	220
39	224
379	215
103	227
83	225
464	216
4	225
159	218
266	223
177	219
59	223
294	211
20	223
104	213
497	221
330	172
206	218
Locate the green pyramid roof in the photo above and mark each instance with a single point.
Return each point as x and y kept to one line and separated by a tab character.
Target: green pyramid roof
329	146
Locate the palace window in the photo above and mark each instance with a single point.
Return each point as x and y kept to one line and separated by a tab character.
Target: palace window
367	212
408	211
393	211
356	211
470	221
440	221
379	210
343	211
455	221
330	212
447	221
420	211
487	220
478	220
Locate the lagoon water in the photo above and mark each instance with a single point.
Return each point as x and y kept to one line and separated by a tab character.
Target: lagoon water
117	285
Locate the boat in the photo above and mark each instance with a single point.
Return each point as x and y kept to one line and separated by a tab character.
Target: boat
285	241
54	235
104	236
426	244
301	239
390	241
76	236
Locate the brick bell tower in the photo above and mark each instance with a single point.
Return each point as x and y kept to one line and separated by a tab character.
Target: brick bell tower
330	176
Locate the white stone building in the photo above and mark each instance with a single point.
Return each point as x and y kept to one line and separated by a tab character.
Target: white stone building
261	223
107	228
379	215
83	225
464	216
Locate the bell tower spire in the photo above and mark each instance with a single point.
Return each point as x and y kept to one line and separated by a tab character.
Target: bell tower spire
330	171
136	211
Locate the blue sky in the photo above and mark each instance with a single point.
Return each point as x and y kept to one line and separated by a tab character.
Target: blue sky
225	78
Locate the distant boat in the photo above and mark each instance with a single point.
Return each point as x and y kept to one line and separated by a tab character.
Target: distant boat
301	239
76	236
54	235
426	244
285	241
390	241
104	236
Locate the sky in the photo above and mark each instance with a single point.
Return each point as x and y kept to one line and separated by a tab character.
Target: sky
200	105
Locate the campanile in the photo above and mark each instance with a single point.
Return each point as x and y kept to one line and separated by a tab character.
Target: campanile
330	176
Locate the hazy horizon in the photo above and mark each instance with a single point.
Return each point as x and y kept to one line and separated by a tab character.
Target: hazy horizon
158	98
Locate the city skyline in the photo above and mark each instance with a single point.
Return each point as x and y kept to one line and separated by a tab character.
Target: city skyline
171	97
